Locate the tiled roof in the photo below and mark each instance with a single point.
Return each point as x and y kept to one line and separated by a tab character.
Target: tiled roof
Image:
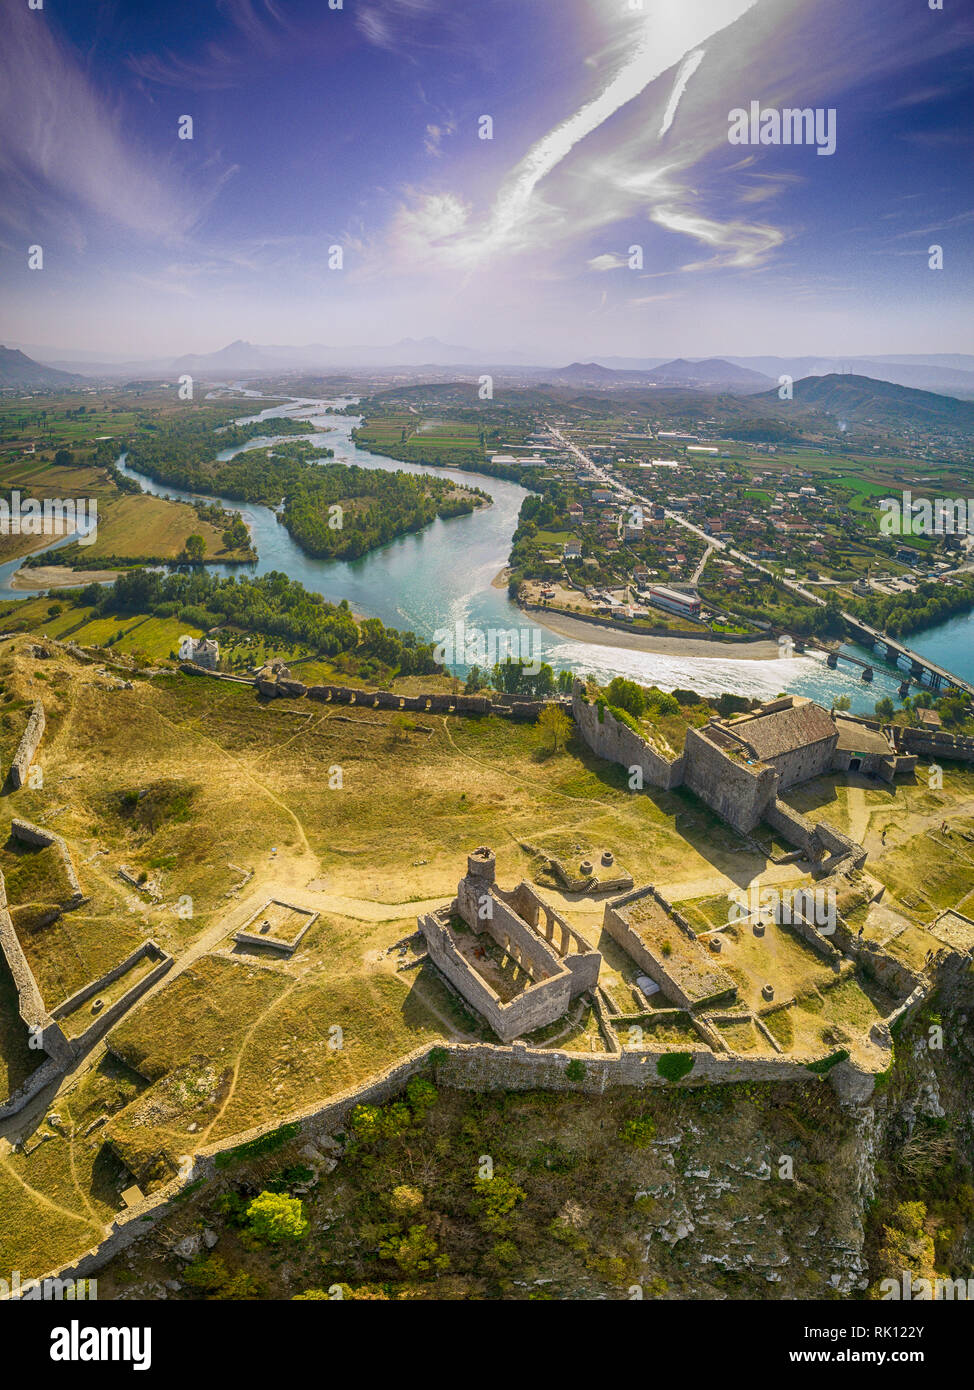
771	735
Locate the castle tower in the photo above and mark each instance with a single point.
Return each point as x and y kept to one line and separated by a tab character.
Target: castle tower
482	865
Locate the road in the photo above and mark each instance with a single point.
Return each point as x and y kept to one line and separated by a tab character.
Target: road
635	498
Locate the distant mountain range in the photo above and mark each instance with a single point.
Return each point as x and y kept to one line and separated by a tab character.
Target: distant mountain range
944	372
712	374
18	370
862	400
244	358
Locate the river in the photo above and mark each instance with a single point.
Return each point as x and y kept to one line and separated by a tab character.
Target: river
435	578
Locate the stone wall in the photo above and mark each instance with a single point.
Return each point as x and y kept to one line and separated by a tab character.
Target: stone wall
934	743
655	966
466	1066
111	1015
839	848
508	705
36	835
802	764
28	745
739	794
33	1013
574	951
286	688
791	825
535	1007
613	740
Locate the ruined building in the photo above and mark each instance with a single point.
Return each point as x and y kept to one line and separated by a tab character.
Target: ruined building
512	958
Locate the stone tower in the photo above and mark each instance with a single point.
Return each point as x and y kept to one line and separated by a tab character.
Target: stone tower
482	865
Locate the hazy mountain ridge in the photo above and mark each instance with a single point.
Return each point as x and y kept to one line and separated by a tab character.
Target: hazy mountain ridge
19	370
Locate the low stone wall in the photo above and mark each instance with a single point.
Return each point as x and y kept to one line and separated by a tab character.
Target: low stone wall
121	1006
840	847
790	824
28	745
612	739
787	916
466	1066
895	977
934	743
36	835
508	705
111	1015
655	966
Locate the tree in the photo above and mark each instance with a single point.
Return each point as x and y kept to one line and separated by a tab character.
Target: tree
415	1252
627	695
476	681
275	1217
195	548
842	702
554	725
406	1200
64	459
565	681
884	708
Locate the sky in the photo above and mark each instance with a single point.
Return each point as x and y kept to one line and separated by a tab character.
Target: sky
358	124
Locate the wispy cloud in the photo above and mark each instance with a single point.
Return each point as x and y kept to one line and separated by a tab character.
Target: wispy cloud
435	135
255	28
66	148
686	70
395	24
441	226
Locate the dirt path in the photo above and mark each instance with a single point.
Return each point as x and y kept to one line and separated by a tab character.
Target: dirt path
200	1139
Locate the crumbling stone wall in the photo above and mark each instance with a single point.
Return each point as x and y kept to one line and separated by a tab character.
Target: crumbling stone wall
28	745
45	1031
36	835
537	1005
655	966
111	1015
614	741
934	743
791	825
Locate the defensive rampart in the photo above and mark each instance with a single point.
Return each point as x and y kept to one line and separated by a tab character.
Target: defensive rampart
28	745
612	739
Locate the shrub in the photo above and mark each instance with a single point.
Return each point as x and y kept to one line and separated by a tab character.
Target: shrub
406	1200
496	1197
415	1252
421	1094
275	1217
626	695
638	1132
575	1071
673	1066
825	1064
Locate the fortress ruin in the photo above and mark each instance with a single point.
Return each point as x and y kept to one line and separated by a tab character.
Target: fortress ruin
511	956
